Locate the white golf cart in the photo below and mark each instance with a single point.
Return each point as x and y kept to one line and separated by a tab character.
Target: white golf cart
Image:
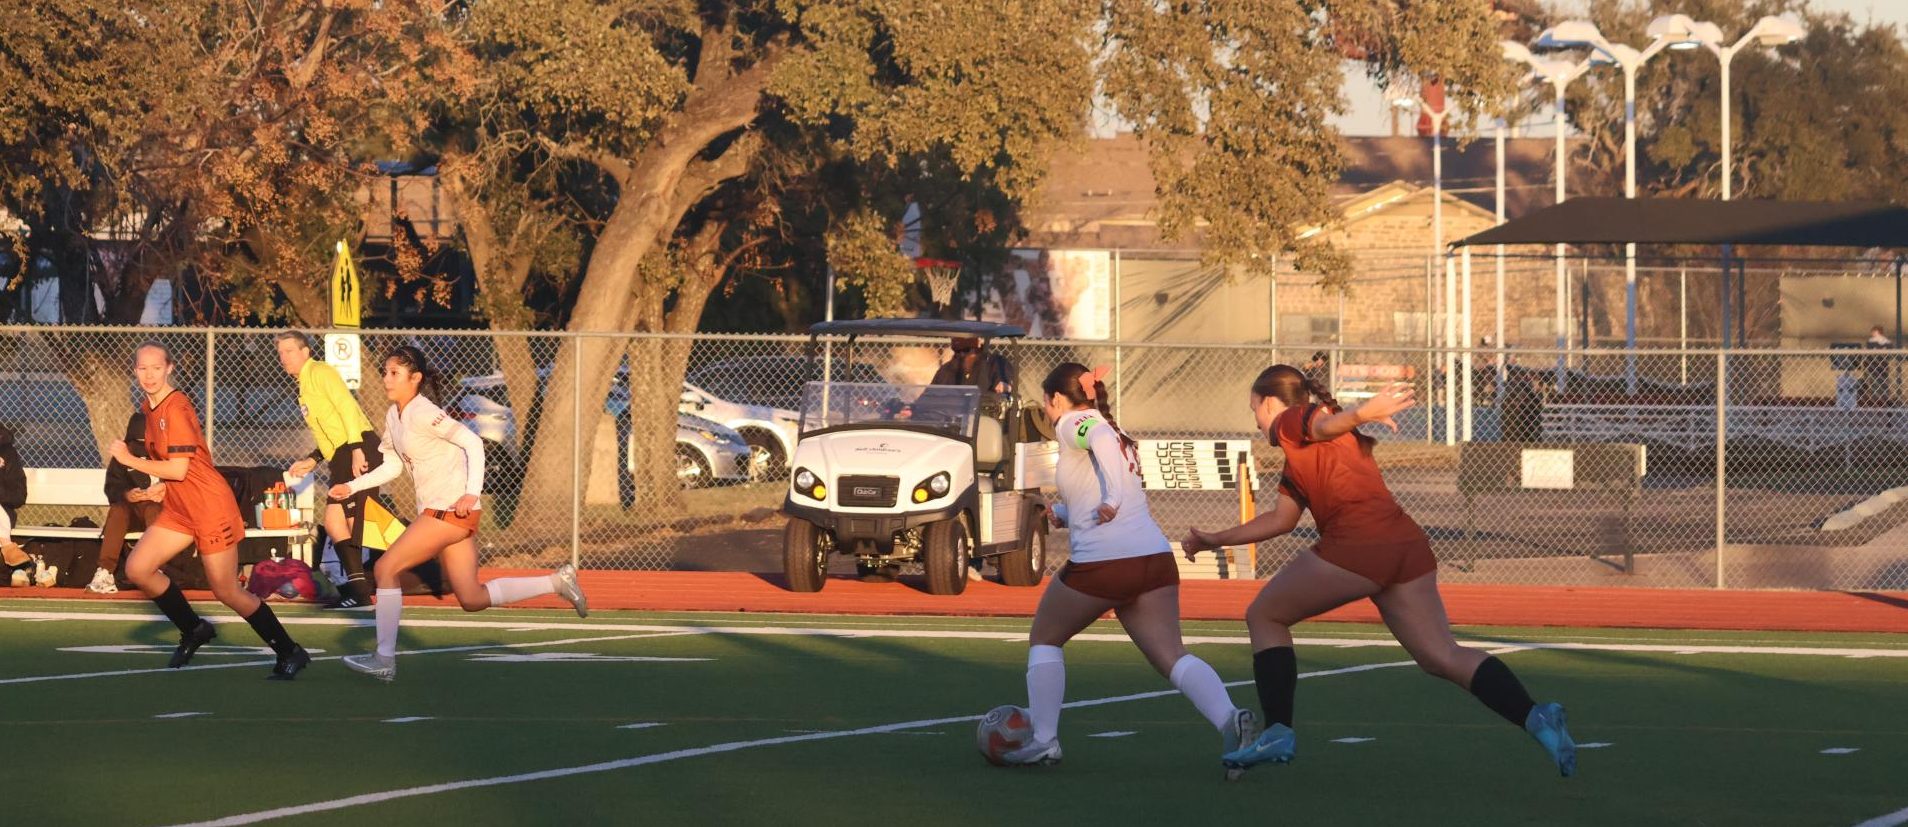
943	475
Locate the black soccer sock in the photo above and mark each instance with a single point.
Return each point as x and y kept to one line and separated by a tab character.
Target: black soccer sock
1275	670
177	610
1500	690
266	624
351	559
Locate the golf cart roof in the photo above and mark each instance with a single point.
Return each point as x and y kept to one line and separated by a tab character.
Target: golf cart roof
935	328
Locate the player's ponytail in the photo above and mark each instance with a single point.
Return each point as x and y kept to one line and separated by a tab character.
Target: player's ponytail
413	360
1083	387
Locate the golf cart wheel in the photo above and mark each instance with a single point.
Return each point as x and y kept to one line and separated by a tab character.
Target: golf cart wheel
692	470
946	547
1027	564
805	555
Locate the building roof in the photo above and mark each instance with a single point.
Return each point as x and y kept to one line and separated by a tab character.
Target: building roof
1698	221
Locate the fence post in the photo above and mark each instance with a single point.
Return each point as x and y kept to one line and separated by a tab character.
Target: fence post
576	454
1722	467
211	411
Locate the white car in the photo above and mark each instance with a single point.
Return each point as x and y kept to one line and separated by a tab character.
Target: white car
707	453
770	432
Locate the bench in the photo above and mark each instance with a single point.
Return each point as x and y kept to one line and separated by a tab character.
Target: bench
86	487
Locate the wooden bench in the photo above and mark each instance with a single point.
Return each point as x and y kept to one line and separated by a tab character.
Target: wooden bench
86	487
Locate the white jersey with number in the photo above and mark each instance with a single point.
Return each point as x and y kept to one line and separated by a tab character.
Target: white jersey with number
445	459
1094	470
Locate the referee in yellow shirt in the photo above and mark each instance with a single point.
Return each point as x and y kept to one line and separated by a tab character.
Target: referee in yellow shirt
348	443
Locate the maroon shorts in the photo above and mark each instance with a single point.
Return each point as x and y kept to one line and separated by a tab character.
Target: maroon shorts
1123	580
468	522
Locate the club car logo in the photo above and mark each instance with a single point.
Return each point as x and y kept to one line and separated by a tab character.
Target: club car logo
877	449
867	491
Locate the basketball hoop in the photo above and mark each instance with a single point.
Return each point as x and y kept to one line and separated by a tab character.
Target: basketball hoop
942	276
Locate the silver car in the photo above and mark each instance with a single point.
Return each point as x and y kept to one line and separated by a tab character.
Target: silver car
707	453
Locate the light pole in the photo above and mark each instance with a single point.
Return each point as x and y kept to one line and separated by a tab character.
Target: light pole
1768	33
1410	100
1559	74
1665	32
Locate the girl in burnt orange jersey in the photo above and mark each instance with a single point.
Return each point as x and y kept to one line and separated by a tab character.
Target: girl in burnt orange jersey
199	510
1368	547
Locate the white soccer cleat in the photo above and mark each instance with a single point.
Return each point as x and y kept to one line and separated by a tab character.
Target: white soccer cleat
102	583
1034	754
373	664
1241	728
568	589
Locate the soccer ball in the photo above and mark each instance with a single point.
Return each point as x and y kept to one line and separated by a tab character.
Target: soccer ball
1002	730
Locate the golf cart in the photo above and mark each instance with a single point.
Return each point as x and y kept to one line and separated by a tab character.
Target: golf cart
939	474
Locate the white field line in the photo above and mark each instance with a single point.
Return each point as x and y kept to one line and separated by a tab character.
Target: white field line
975	634
680	754
1894	819
162	670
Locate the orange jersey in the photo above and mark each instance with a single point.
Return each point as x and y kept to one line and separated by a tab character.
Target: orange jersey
1360	526
202	504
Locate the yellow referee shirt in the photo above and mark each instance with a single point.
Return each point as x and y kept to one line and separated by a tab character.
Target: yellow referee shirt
331	410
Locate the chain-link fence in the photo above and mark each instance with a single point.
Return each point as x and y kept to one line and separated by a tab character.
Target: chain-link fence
1547	470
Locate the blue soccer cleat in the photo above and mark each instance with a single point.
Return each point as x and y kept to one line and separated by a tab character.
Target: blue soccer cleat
1276	745
1546	724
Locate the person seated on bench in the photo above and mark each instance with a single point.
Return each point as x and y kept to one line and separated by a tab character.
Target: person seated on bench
133	500
13	494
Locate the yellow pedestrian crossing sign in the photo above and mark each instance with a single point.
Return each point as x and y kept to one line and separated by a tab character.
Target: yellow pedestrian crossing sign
346	299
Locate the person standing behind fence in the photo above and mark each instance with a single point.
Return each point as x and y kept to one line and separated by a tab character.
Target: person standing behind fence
133	499
446	462
1368	547
348	444
199	510
13	495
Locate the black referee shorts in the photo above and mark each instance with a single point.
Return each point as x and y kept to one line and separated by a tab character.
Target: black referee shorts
342	472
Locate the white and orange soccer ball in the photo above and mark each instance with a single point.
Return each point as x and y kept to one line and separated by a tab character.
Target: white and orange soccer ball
1002	730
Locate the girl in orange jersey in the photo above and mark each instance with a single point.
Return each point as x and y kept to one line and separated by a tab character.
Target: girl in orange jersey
199	510
1368	547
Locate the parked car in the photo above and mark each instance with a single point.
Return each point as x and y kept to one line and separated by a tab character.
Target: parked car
707	452
770	432
776	381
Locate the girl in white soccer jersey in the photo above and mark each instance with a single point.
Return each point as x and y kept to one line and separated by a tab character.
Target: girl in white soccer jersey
1119	561
446	462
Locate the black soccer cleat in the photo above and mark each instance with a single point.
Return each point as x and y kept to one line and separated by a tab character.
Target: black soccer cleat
190	642
347	601
289	666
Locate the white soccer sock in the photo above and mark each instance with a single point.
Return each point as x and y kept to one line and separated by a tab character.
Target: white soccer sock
1196	679
390	606
512	589
1046	690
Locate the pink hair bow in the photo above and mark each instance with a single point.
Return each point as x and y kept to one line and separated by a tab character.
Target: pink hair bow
1092	378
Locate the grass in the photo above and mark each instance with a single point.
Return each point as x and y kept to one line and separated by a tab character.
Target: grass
1696	736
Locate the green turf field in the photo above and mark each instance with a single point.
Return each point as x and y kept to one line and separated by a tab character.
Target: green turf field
535	717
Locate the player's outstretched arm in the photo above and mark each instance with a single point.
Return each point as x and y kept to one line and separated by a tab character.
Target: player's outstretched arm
1281	519
1380	408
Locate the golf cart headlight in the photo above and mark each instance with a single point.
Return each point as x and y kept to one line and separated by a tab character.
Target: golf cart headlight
809	485
934	488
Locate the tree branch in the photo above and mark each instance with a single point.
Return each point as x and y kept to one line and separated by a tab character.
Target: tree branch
616	168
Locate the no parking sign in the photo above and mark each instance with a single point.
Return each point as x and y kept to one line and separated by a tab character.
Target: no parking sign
345	352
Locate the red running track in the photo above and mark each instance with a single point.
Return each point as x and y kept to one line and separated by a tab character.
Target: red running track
1468	605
